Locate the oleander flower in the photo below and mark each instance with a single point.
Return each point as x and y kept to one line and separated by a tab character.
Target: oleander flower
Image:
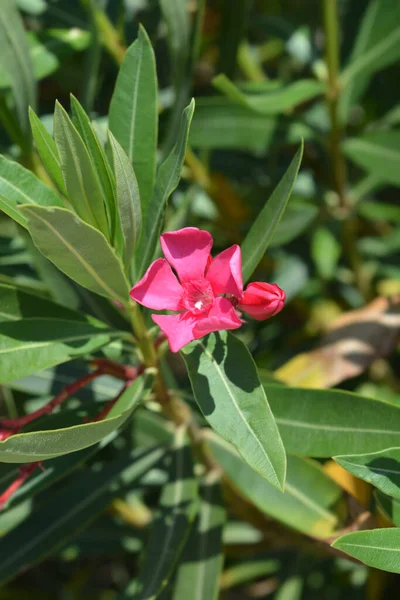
262	300
204	291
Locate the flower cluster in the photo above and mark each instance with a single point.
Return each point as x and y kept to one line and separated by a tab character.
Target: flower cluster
205	292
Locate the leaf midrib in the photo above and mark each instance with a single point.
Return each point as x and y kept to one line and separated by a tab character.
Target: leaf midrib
221	376
110	293
306	425
178	495
362	61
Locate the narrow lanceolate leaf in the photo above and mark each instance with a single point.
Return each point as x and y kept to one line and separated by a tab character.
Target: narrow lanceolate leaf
178	505
15	62
378	548
202	558
382	469
128	200
81	180
220	123
78	250
133	117
326	423
28	345
378	152
377	45
229	393
42	445
71	508
20	186
97	156
48	152
50	47
167	180
176	16
275	101
307	503
390	507
261	233
17	304
56	470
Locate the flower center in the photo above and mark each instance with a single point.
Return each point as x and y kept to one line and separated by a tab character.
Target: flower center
197	296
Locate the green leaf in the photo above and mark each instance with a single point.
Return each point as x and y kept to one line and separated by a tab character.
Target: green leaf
16	304
128	200
48	152
98	158
382	469
176	17
33	7
78	250
168	177
379	548
378	153
390	507
81	180
247	571
56	470
49	48
229	393
133	117
220	123
306	504
327	423
28	345
20	186
71	508
296	219
377	45
15	62
261	233
377	211
42	445
273	102
178	505
325	251
202	558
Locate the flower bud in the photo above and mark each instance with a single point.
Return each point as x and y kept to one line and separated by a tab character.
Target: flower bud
262	300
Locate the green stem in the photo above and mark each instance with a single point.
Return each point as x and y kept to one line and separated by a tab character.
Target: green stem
339	167
331	23
109	35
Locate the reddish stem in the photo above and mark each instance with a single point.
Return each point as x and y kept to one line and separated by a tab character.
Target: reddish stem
24	473
124	372
108	406
66	392
103	367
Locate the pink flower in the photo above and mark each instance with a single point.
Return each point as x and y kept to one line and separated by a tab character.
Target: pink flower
206	291
262	300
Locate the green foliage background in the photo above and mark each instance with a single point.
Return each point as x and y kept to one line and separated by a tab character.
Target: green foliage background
265	75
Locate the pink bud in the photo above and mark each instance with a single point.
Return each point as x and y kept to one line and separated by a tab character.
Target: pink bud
262	300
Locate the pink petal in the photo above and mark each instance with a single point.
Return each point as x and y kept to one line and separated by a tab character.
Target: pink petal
221	316
187	251
177	328
225	272
159	288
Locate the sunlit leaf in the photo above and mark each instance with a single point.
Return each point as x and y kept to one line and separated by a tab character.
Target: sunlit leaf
133	112
379	548
261	232
77	249
229	393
